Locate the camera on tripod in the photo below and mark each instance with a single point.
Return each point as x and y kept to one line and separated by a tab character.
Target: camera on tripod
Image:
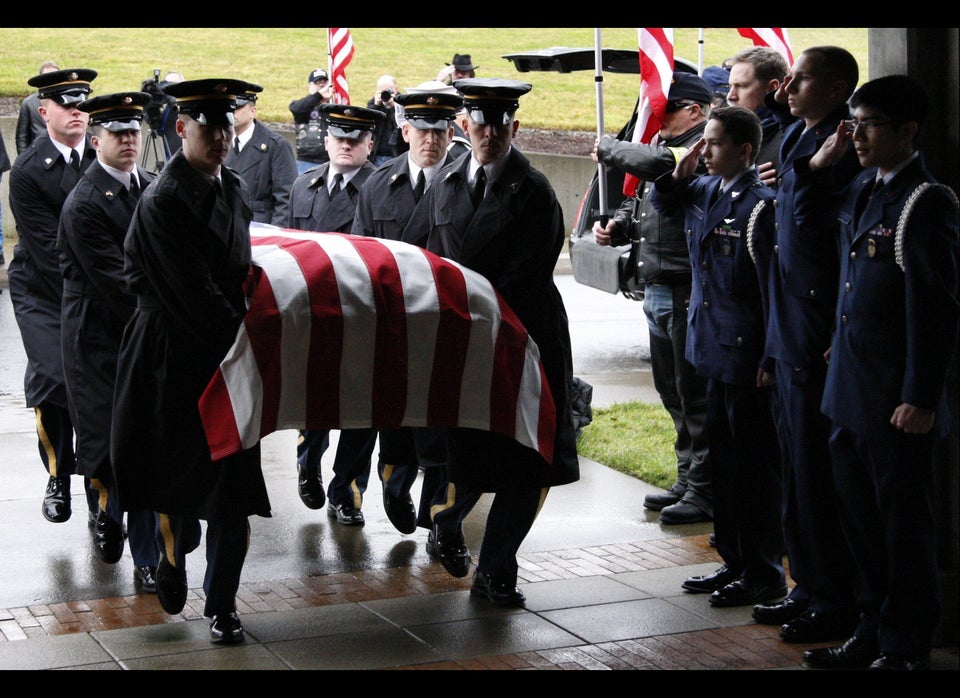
158	100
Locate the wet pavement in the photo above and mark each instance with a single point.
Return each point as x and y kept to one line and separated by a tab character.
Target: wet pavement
48	563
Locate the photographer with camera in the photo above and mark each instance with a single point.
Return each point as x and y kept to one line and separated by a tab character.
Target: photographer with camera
161	116
388	142
311	128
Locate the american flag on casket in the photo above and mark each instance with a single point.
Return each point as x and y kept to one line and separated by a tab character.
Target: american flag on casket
347	331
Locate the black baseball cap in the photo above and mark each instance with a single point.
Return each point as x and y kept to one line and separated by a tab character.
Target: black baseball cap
317	74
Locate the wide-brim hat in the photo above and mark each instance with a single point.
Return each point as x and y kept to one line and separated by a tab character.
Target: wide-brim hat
120	111
65	87
430	110
491	100
348	121
463	62
210	101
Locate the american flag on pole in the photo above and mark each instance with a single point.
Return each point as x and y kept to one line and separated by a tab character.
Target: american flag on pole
656	74
340	48
347	331
774	37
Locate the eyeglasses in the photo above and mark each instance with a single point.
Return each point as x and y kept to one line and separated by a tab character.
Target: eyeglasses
869	124
677	106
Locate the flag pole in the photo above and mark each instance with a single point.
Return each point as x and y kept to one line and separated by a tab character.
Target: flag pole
598	79
700	53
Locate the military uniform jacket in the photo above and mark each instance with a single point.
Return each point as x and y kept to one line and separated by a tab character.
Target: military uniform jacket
804	287
40	180
513	239
96	305
387	208
311	207
268	167
663	256
186	257
897	314
725	335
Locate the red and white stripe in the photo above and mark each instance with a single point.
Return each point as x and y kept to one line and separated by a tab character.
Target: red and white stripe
340	46
774	37
347	331
656	74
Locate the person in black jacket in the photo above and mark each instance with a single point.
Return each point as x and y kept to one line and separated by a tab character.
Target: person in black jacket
324	199
389	143
664	269
30	124
392	206
40	180
187	257
96	306
495	214
4	167
265	161
310	126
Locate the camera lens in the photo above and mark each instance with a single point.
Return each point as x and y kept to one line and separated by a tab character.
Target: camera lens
386	96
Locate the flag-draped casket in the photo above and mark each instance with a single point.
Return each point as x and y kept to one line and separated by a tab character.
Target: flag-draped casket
346	331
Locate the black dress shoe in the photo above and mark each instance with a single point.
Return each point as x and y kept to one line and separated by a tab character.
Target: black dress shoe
145	579
498	593
683	513
894	662
56	499
656	502
780	613
108	538
310	487
741	593
226	629
820	626
450	550
401	512
709	583
659	500
171	586
855	653
345	514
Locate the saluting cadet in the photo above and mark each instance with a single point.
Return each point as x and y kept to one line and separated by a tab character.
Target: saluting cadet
723	210
495	214
392	206
40	180
187	257
811	101
265	161
96	306
324	199
895	332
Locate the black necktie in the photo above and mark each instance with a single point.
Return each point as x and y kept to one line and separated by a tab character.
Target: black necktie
236	145
479	188
337	185
75	161
134	187
421	185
